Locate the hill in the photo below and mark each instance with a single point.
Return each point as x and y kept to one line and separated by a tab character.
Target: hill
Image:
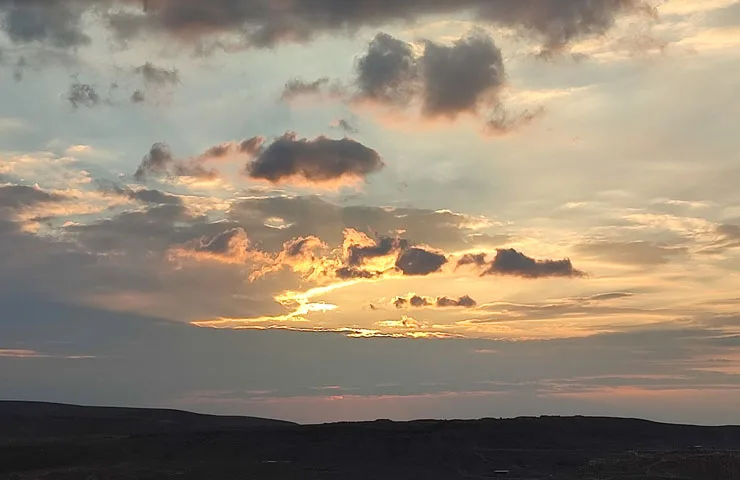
62	442
39	420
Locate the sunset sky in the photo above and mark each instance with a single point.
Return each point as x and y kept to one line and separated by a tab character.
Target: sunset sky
324	210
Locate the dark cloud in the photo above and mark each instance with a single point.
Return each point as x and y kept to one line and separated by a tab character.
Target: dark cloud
16	197
417	261
359	254
511	262
417	301
225	242
478	259
464	301
156	162
388	72
317	161
347	273
555	23
158	76
443	81
160	162
144	195
56	23
83	95
458	77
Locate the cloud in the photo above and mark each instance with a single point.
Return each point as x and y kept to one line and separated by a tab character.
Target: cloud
554	23
478	259
344	125
144	195
56	23
290	159
417	301
457	77
161	162
638	253
728	238
418	261
83	95
508	261
157	76
313	215
298	88
389	72
511	262
16	197
138	97
444	81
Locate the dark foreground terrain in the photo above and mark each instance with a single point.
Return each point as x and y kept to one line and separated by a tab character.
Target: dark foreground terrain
50	441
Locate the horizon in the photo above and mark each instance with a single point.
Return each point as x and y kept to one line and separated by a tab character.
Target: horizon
325	212
369	420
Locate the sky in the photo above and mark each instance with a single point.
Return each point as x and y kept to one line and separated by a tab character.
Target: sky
323	210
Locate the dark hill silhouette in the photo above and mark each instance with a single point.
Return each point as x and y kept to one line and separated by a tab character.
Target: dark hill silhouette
42	420
61	442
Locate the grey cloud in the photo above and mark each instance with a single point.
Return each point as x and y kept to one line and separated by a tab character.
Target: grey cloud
559	22
83	95
312	215
502	122
347	273
445	81
160	161
297	87
157	161
457	77
511	262
388	72
418	261
633	253
345	126
154	197
16	197
222	243
158	76
478	259
610	296
317	161
138	97
54	22
554	22
464	301
357	255
251	146
417	301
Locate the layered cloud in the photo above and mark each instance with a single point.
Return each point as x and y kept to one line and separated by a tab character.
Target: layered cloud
554	23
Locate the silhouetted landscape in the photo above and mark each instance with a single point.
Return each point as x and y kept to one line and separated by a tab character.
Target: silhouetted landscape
53	441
